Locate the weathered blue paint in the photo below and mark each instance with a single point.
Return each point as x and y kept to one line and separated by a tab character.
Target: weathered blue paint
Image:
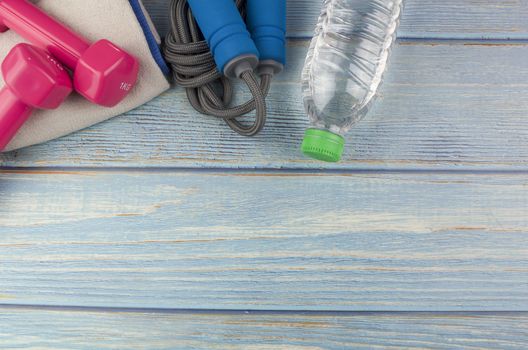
447	19
437	222
444	106
281	241
146	330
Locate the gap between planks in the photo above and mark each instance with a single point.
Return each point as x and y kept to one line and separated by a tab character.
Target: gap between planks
255	171
176	311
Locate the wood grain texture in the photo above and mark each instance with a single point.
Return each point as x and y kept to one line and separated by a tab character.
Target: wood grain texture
43	329
476	19
353	238
444	105
281	241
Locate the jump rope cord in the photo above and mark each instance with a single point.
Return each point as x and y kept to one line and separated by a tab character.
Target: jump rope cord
194	68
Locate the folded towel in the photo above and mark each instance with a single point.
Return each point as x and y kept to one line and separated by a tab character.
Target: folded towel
124	22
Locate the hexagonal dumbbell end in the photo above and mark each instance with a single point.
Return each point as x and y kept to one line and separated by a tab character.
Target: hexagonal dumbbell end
105	73
34	79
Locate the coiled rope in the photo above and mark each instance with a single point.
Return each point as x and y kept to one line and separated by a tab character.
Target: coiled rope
194	68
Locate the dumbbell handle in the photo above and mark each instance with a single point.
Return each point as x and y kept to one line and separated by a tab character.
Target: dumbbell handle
36	26
13	114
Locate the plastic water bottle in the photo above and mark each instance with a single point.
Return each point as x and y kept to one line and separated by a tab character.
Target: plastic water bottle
344	69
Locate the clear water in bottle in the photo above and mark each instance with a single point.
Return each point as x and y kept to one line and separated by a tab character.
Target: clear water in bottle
344	69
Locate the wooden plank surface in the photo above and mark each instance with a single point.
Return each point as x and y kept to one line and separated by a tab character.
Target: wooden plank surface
282	240
445	105
73	329
444	230
490	19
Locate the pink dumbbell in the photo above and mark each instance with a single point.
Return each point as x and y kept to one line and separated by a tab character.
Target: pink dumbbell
102	72
34	79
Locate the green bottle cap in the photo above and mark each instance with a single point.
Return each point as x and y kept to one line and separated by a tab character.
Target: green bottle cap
323	145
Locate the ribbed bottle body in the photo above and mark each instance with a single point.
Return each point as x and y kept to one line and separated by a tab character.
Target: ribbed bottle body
346	60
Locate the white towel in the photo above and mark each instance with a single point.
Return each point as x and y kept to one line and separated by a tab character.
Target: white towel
116	21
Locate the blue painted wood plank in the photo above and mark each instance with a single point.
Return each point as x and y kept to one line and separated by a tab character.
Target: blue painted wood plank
445	105
488	19
279	240
65	329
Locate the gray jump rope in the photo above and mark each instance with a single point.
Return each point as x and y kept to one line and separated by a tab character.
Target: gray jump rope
194	68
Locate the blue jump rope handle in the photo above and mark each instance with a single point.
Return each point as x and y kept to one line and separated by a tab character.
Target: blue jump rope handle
223	29
266	21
